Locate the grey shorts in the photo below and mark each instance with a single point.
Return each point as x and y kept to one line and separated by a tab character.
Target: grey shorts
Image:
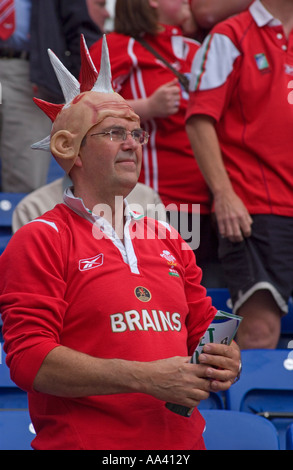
262	261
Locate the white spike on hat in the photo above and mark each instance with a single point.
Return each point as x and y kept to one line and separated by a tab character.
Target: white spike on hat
71	88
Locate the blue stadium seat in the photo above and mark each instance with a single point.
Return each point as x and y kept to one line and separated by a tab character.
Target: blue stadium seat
287	328
16	430
55	171
289	437
265	387
234	430
11	396
221	299
214	402
8	202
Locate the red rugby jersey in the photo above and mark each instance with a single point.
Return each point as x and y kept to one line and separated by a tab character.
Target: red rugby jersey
169	165
65	283
243	77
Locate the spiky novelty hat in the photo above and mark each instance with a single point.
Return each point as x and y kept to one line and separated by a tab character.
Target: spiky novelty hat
86	105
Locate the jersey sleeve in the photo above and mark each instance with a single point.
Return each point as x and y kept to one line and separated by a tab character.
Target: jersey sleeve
212	76
32	290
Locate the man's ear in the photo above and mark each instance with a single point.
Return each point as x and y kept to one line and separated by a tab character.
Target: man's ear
64	145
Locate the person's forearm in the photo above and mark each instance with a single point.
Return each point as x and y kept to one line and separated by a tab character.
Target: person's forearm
233	219
72	374
204	141
163	102
142	108
69	373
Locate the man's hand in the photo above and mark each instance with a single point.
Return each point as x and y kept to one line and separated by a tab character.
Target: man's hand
176	380
233	219
165	101
223	364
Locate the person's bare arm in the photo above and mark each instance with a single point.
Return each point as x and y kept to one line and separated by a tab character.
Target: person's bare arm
233	219
162	103
69	373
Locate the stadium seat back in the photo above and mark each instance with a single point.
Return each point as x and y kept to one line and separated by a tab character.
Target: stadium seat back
8	202
11	396
214	402
286	337
235	430
289	437
16	430
221	299
265	387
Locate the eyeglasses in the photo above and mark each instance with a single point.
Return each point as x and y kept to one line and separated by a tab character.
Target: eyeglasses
120	135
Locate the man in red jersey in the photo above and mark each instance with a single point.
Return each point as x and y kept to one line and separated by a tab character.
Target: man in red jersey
98	323
239	122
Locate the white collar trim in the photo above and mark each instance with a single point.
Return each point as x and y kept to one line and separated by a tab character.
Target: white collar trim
127	250
262	16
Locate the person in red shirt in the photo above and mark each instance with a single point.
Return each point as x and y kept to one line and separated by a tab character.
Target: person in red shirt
238	122
103	307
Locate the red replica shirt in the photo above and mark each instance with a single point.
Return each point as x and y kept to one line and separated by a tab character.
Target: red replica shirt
169	165
242	77
68	281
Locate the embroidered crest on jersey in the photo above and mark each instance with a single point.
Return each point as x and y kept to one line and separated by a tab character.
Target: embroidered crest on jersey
91	263
262	62
171	262
142	294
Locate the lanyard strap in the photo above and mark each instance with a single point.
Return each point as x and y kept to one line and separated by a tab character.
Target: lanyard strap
181	77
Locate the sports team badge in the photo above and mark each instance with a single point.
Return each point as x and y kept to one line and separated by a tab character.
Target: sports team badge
171	262
262	62
142	294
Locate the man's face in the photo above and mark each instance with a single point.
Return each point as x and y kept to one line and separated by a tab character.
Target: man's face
86	111
111	167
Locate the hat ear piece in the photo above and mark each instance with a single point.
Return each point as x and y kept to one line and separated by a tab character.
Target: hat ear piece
63	145
65	148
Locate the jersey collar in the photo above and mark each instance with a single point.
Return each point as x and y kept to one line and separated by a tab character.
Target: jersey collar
262	16
77	205
126	249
